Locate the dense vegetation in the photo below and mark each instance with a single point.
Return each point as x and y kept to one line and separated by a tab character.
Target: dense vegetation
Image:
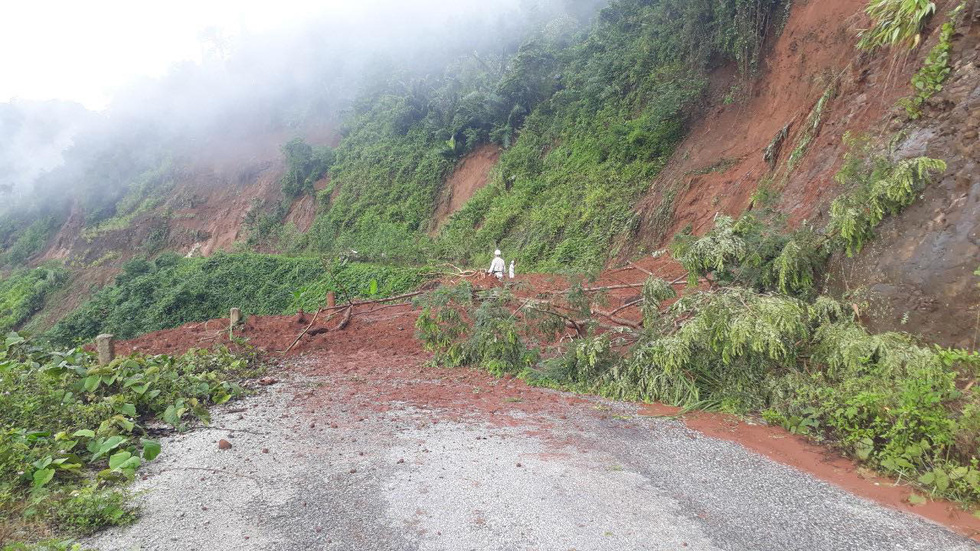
71	431
586	119
170	291
23	291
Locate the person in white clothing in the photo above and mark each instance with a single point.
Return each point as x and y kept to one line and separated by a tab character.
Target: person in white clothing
498	266
511	271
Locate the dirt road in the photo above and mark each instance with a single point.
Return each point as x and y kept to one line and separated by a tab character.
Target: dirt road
372	451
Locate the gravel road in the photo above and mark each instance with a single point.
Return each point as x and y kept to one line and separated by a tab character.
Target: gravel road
334	474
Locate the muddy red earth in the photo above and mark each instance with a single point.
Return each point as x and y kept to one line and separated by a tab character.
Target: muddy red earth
381	364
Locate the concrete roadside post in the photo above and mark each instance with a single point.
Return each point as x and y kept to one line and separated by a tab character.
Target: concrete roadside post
105	345
234	317
331	299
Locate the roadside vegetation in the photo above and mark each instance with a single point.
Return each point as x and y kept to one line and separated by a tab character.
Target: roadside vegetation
73	433
169	291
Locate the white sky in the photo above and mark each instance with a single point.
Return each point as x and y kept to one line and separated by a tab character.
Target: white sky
83	50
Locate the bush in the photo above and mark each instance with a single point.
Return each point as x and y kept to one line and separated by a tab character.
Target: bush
755	253
71	431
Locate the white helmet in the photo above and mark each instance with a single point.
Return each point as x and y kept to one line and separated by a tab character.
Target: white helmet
496	253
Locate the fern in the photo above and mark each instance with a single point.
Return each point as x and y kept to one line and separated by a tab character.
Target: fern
655	291
715	252
886	189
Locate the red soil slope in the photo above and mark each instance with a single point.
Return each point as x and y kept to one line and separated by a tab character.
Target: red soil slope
472	173
918	275
719	165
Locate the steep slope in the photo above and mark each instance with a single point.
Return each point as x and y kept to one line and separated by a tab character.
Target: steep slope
470	175
819	88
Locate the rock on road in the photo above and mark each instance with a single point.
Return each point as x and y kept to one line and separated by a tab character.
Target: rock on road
325	460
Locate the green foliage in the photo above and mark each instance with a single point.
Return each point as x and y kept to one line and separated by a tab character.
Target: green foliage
586	121
72	430
901	407
29	241
304	166
876	187
23	292
929	79
171	291
756	253
145	193
892	403
896	22
464	331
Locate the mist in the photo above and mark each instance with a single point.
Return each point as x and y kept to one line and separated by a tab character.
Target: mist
252	91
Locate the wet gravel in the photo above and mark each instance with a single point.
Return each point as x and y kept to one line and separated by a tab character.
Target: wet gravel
344	478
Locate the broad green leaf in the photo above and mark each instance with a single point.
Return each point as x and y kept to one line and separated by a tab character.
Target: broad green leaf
151	449
916	499
118	459
86	433
128	409
91	383
42	477
863	448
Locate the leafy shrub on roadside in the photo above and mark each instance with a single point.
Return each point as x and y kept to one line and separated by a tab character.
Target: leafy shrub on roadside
461	331
71	430
756	254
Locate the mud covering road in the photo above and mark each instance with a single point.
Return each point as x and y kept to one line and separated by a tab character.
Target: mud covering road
376	452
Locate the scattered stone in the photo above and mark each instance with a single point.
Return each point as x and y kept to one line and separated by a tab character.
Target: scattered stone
400	461
266	381
224	444
519	465
318	529
265	450
352	471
